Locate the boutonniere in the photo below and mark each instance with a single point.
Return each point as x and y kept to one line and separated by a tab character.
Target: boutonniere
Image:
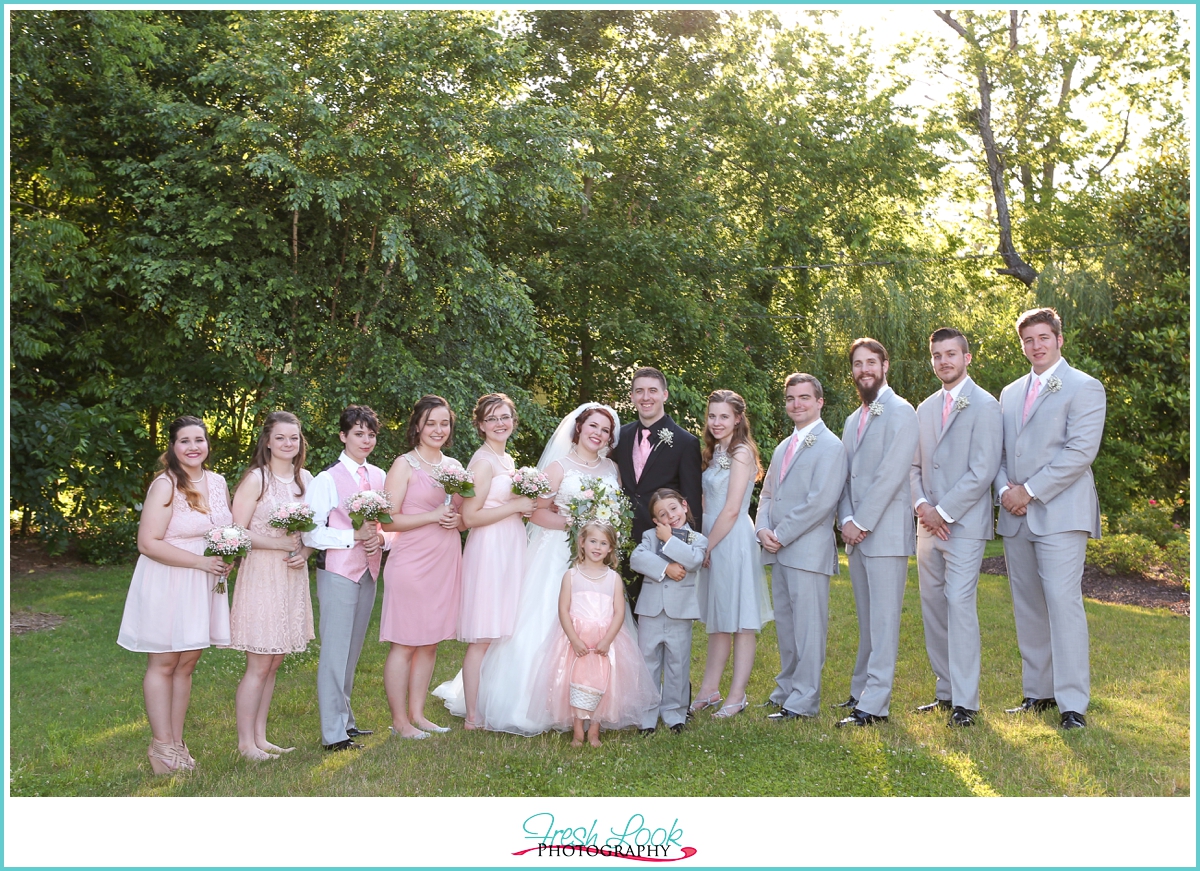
666	437
810	440
691	537
876	408
1053	384
961	403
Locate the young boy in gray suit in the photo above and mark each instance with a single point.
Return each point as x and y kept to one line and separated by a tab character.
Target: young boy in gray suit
668	558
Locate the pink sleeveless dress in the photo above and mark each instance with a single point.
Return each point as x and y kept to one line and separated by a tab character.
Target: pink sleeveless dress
272	607
567	684
171	609
493	563
422	578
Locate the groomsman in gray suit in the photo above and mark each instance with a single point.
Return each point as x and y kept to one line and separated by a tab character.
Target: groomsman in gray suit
957	458
1053	422
880	438
797	510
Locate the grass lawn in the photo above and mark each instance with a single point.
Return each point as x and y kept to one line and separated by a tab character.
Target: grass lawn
78	726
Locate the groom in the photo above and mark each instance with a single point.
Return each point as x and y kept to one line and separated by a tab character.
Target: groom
655	452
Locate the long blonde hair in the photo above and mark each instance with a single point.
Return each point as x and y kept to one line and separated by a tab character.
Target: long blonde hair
612	560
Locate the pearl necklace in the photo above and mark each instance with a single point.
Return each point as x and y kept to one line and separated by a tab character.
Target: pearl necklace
584	463
511	464
197	480
598	577
436	467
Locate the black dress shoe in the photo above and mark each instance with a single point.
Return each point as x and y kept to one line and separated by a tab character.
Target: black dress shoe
1073	720
960	716
649	731
849	703
783	714
861	718
342	745
944	704
677	728
1035	705
359	733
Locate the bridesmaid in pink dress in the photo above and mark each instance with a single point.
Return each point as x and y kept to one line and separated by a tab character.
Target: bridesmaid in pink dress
493	560
272	610
172	611
422	580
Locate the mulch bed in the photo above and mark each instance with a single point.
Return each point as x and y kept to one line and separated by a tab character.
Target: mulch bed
20	622
1145	592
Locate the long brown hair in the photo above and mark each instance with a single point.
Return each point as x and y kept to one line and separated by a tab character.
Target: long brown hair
262	451
741	431
169	465
421	411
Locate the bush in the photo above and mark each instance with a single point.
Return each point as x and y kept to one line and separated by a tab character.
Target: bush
108	537
1153	519
1178	557
1123	553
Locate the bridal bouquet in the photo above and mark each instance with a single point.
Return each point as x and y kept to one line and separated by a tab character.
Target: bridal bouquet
530	481
229	543
601	503
292	517
455	480
368	505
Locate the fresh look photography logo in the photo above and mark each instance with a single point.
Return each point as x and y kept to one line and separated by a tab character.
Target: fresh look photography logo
635	838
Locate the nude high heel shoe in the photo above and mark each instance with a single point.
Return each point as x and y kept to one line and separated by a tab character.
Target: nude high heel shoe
163	759
186	762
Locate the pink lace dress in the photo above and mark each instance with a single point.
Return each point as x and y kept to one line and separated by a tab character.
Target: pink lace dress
493	563
422	578
170	609
272	607
616	689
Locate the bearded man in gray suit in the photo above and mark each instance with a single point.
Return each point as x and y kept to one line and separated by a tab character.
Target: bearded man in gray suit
957	458
1053	422
797	510
880	438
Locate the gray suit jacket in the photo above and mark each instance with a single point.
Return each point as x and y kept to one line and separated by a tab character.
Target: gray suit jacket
876	491
659	594
954	466
1053	453
802	509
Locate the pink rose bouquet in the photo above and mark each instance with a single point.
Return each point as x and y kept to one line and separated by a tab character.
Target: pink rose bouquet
292	517
368	505
530	481
229	543
455	480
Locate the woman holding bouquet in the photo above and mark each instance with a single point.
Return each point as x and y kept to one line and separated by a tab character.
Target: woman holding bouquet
173	610
493	560
272	611
574	457
422	580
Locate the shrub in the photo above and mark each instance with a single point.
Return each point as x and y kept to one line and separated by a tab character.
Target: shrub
108	537
1153	519
1124	553
1178	559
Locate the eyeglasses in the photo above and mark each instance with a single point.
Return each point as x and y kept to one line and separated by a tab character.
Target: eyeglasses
490	421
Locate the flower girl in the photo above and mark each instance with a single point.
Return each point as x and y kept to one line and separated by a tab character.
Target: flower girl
593	670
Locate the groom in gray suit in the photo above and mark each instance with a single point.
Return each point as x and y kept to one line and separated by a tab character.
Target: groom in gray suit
797	510
1053	421
951	480
880	438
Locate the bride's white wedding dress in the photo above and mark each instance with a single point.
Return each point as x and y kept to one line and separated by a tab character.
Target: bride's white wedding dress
507	673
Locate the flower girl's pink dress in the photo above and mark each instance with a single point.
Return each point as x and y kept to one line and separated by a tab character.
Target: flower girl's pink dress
621	677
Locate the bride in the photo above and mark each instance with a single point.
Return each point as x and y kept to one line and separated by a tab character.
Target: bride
577	450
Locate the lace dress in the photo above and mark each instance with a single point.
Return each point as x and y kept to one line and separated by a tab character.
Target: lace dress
272	608
170	608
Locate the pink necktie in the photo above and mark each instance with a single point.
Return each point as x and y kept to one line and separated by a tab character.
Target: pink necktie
946	407
862	421
641	452
788	454
1029	398
363	482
